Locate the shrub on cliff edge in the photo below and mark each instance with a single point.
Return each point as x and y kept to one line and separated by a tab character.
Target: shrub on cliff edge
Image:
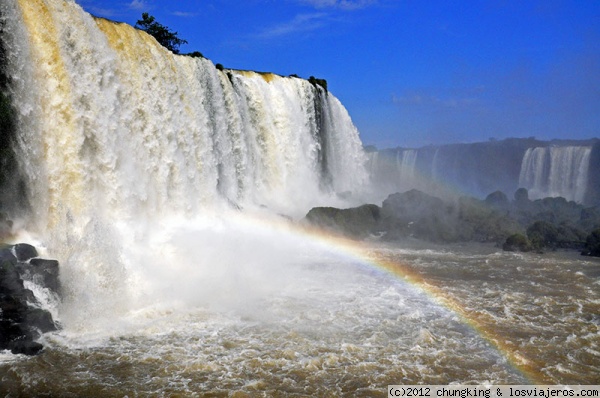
165	36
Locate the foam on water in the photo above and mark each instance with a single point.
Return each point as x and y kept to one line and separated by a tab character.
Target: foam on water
155	180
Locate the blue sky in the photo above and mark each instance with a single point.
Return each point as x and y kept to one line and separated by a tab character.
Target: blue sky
411	73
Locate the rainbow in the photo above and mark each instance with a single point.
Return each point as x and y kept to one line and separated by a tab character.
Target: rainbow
368	256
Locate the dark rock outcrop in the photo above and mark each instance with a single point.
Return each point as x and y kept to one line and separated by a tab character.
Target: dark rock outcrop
518	225
517	242
497	200
22	320
357	222
24	252
417	214
592	244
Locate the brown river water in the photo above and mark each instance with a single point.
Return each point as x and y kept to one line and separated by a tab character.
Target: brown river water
326	323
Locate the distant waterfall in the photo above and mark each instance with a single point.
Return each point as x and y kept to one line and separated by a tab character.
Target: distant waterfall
556	171
113	125
406	161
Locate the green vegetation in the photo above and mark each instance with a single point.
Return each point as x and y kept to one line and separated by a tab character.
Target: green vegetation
519	225
542	234
517	242
318	82
165	36
195	54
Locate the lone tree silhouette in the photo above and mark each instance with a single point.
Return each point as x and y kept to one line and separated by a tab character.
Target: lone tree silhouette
165	36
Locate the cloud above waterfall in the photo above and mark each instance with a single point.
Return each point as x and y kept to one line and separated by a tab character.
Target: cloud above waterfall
331	12
185	14
340	4
301	23
139	5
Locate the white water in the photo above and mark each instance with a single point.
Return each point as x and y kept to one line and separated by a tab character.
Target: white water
137	161
406	162
556	171
125	145
113	123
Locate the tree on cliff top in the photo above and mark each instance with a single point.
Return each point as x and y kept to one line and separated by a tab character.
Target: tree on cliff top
161	33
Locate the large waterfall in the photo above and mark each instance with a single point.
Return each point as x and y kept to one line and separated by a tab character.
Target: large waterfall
128	150
112	124
556	171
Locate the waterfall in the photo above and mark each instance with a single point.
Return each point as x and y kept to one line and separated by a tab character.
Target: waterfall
127	149
556	171
406	161
111	123
435	166
534	172
373	162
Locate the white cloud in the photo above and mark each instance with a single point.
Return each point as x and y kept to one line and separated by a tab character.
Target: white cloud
102	12
430	100
301	23
184	14
139	5
98	10
341	4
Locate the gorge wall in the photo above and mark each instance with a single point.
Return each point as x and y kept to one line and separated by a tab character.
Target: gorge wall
545	168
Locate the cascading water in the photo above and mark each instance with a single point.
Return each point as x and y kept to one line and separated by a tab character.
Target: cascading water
556	171
406	165
118	124
478	169
157	181
118	137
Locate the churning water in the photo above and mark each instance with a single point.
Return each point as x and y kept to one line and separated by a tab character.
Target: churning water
299	316
156	180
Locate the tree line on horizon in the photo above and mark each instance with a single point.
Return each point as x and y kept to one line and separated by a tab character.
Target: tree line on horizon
171	41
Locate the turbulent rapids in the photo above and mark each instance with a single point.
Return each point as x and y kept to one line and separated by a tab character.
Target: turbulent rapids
165	187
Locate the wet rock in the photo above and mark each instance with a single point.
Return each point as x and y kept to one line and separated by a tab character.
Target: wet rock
592	244
517	242
356	222
22	320
25	347
6	254
497	200
39	319
44	272
24	252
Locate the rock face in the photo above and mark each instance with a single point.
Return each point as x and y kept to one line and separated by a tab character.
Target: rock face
517	242
22	320
357	222
417	214
592	244
518	225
